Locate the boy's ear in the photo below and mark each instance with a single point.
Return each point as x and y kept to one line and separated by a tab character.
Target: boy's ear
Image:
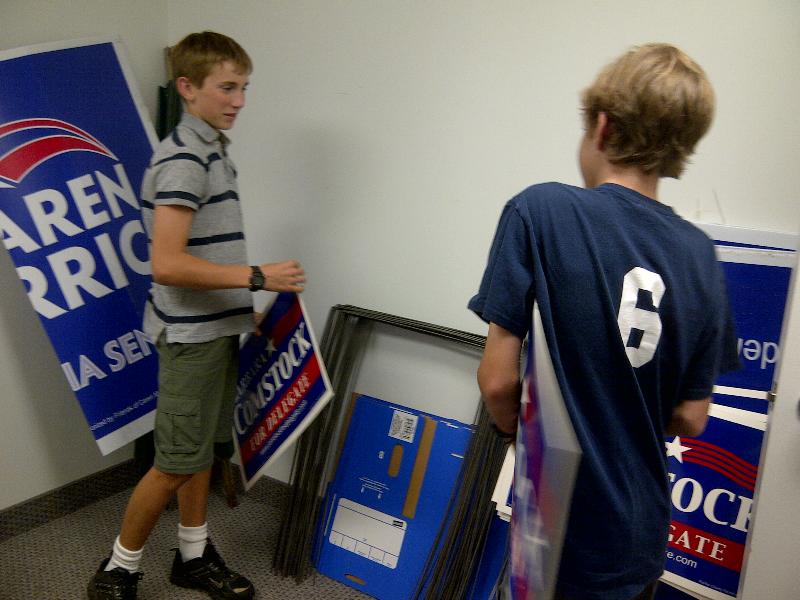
185	88
602	129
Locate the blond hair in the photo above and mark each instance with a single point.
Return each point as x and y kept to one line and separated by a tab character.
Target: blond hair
659	103
196	54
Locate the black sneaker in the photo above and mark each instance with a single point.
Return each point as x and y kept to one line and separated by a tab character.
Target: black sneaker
210	574
116	584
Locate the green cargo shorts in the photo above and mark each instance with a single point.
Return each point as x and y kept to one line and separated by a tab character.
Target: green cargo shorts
196	391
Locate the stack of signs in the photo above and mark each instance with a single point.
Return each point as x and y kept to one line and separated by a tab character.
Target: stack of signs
282	386
546	465
75	141
713	477
397	470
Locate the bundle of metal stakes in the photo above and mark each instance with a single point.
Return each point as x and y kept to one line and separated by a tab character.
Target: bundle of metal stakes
341	347
461	538
453	562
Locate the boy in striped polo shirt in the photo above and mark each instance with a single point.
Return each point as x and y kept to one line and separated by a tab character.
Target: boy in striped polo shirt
200	303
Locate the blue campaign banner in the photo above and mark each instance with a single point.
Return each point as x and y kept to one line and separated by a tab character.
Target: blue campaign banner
720	467
758	267
282	387
757	294
74	143
712	483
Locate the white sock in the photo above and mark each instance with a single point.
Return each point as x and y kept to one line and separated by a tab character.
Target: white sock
124	558
192	541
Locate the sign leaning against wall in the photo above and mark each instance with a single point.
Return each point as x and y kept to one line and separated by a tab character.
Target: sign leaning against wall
74	143
713	477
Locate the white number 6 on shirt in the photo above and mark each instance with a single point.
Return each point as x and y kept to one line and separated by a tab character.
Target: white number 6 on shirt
631	317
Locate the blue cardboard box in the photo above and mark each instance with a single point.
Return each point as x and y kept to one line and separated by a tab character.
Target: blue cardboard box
397	470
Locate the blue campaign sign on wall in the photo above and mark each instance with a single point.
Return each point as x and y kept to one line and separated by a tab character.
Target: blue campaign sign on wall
757	267
757	295
712	483
74	143
713	476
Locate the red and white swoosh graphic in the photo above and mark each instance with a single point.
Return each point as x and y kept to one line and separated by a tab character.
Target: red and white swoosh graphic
722	461
23	158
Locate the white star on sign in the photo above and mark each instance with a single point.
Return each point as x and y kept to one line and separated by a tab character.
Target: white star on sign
676	449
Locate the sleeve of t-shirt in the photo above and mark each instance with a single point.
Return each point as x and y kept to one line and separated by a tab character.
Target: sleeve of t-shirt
717	354
180	180
505	296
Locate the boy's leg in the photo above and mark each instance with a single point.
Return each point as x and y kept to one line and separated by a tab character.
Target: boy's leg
191	382
193	499
195	386
207	571
193	508
118	576
147	503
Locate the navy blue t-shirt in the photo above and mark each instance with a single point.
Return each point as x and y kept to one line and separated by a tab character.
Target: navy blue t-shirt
636	317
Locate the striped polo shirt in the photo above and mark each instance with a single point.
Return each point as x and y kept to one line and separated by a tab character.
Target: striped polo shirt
191	168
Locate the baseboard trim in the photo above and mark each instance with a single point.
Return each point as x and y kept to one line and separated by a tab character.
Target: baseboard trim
67	499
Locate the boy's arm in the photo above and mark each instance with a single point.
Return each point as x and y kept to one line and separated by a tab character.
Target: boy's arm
173	266
717	354
498	377
689	418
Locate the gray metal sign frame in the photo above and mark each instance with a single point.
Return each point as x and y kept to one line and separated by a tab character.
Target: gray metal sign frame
462	538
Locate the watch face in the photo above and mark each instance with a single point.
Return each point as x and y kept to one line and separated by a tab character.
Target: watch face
256	281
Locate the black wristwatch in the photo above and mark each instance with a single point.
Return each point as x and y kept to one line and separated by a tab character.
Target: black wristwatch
257	279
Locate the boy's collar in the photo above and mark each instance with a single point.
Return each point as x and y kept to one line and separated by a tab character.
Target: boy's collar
203	129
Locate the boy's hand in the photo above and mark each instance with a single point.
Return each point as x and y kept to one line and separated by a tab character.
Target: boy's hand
286	276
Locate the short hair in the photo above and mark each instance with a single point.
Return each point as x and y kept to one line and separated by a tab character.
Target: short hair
659	104
196	54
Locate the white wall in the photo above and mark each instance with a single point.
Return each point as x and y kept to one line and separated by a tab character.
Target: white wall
382	138
443	374
44	440
141	26
391	133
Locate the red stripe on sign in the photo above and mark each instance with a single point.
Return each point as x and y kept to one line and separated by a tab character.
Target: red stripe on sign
738	463
285	406
22	125
713	463
718	459
17	163
711	548
286	323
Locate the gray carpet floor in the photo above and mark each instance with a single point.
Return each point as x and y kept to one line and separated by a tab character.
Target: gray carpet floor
56	560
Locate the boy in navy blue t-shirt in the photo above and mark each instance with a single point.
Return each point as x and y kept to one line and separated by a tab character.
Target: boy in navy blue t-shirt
634	312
